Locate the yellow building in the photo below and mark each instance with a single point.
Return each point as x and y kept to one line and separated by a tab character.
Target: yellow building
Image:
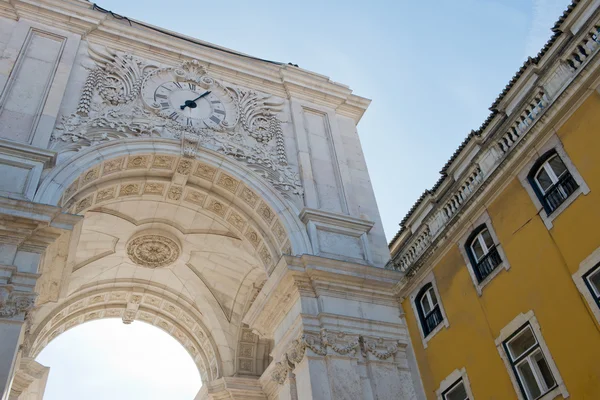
501	258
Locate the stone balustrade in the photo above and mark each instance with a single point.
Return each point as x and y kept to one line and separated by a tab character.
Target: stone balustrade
583	50
523	122
449	204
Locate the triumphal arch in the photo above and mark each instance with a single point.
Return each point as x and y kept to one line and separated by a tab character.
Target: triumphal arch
225	199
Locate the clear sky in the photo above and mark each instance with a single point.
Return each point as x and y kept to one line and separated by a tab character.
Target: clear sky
432	69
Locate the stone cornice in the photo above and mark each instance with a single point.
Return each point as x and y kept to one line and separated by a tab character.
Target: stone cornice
168	47
540	92
311	276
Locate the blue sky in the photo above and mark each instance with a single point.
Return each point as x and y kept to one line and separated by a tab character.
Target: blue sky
432	69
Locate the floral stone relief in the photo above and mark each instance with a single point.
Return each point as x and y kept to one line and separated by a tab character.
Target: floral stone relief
126	96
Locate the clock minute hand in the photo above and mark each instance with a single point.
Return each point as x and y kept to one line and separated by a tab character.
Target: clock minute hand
192	103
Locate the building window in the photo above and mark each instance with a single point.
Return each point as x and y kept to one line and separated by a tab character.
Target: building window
428	309
552	181
592	281
456	392
482	252
529	363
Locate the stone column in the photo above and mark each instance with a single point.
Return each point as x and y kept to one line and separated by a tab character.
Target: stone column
338	332
26	230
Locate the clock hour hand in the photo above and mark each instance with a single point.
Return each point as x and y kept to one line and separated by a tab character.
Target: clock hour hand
192	103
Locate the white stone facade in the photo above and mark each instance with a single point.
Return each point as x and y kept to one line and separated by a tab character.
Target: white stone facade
222	198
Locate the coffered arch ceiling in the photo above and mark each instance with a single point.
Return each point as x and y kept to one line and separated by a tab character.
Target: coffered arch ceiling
158	224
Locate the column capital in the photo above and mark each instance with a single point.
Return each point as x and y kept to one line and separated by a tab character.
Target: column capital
15	304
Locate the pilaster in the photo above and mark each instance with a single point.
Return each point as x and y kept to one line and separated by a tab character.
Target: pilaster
26	230
338	332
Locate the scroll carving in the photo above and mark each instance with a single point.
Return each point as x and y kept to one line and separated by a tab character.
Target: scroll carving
113	106
15	303
332	343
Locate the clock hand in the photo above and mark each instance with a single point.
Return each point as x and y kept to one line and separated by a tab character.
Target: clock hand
192	103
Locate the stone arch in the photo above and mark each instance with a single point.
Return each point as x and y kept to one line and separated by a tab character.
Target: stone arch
74	185
166	310
117	175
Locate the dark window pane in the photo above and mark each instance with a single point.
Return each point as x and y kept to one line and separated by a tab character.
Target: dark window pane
594	280
557	166
458	392
520	344
544	369
543	179
433	298
528	380
477	249
487	238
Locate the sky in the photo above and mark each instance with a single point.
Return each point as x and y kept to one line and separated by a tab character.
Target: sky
431	68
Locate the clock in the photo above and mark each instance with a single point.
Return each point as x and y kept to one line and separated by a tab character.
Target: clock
189	100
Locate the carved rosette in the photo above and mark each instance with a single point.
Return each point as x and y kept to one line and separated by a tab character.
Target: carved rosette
153	250
15	303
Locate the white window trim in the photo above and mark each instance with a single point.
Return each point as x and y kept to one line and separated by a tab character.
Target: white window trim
430	278
484	218
553	143
506	332
451	380
584	267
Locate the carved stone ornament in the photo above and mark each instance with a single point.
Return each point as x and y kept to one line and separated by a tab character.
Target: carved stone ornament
339	342
153	251
14	303
126	96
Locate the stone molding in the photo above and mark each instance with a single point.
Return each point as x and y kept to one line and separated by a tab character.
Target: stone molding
312	276
513	128
115	105
15	303
285	80
328	343
169	312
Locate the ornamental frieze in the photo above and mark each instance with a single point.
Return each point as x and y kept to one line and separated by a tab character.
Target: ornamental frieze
125	96
332	343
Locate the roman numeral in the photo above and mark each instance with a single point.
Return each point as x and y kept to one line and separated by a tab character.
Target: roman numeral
178	85
215	119
215	101
161	96
174	116
165	104
219	112
192	86
188	122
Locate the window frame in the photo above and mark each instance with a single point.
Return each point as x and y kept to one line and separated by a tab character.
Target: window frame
448	383
511	330
543	162
525	357
468	235
427	292
542	153
588	266
428	279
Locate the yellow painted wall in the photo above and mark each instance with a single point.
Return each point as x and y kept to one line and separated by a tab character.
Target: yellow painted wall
539	279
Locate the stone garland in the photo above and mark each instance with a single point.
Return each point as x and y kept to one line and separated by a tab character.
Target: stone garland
320	345
111	108
14	303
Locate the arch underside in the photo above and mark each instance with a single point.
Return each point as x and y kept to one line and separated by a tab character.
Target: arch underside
223	234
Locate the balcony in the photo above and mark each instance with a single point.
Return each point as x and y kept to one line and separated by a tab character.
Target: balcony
487	264
559	192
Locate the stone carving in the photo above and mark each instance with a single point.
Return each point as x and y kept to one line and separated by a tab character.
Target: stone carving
113	106
152	251
339	342
14	303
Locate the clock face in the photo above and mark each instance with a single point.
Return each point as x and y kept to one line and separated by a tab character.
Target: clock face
190	104
196	102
